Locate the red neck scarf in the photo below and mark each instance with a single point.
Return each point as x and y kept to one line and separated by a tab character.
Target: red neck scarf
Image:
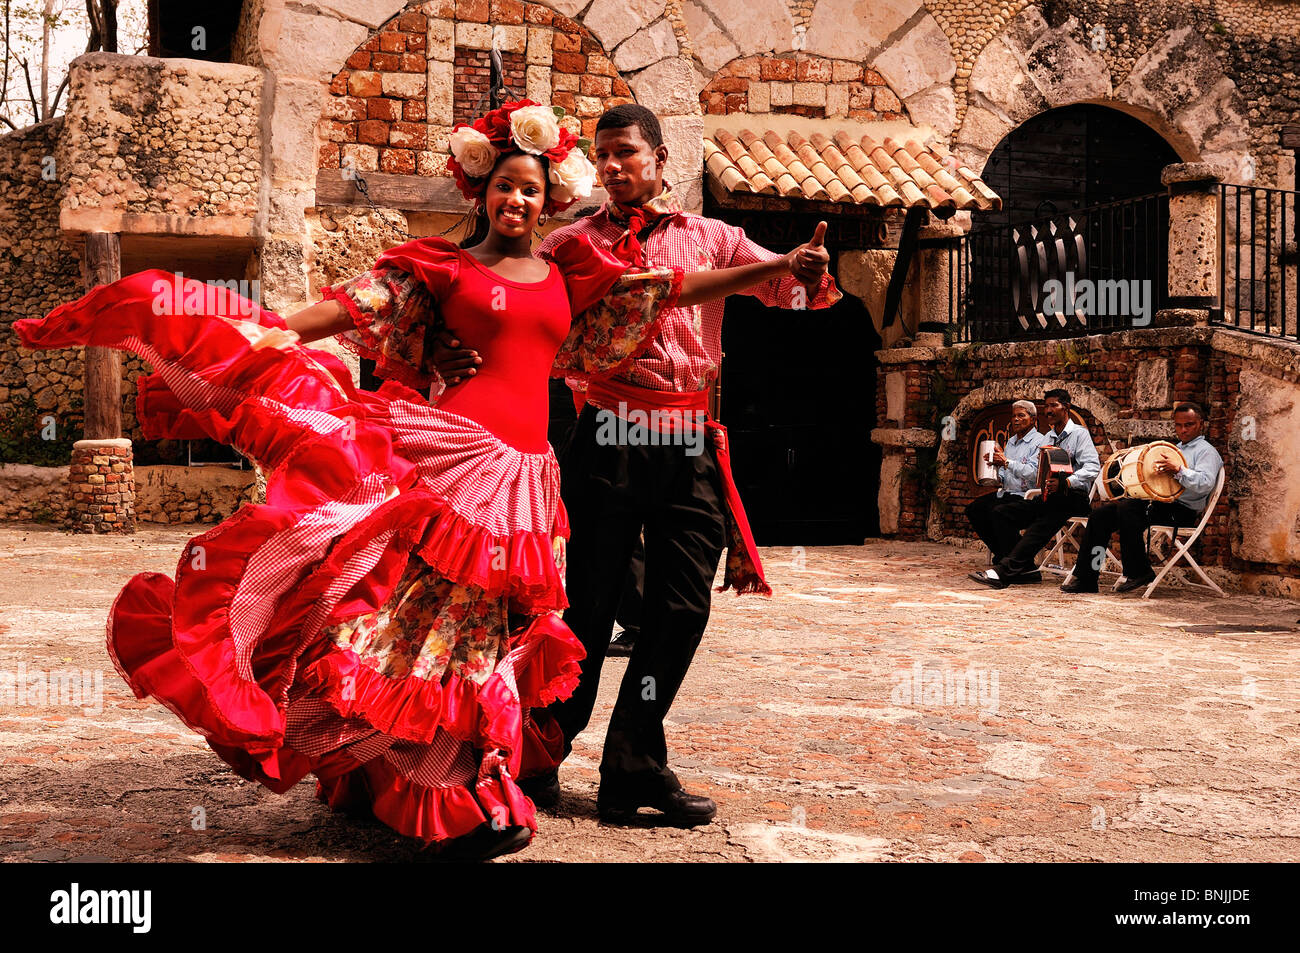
639	219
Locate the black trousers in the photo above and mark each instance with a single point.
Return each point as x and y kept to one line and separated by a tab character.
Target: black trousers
997	520
1040	520
1129	518
611	493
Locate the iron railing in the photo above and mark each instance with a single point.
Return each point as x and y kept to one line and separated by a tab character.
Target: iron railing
1259	266
1088	271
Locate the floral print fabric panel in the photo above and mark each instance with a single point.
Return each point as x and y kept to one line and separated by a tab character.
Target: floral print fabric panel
429	626
611	333
392	312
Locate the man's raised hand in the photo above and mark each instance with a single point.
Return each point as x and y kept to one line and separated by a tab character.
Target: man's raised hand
454	363
811	260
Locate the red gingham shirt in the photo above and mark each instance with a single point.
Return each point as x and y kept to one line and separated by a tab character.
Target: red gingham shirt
687	352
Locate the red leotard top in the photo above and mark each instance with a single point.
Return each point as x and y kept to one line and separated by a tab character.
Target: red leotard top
516	328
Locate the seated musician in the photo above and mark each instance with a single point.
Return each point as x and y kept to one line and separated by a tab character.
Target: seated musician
1041	518
1017	465
1129	516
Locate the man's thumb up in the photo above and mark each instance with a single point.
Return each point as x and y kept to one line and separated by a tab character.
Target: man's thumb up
819	236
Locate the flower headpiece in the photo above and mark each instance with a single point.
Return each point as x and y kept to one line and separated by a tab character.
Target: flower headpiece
525	127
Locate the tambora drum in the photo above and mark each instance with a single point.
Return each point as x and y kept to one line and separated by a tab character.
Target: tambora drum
1132	472
986	474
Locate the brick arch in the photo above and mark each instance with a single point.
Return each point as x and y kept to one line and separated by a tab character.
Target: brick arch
393	105
1104	411
804	85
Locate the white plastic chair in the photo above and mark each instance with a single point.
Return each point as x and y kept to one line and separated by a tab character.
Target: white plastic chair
1182	551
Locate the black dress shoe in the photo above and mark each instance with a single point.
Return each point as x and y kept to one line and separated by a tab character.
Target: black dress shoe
679	808
1074	585
987	580
1128	585
1034	575
544	789
622	644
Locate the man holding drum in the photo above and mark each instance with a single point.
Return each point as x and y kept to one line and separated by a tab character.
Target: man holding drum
1130	516
1041	518
992	515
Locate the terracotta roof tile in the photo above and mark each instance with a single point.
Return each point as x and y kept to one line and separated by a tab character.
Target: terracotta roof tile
849	168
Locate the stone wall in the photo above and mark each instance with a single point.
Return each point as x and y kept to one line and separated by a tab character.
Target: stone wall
1125	385
37	271
156	145
163	494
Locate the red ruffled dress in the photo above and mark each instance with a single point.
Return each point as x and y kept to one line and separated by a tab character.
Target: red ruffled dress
387	617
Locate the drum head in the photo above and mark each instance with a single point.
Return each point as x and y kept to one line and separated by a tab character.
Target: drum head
1160	486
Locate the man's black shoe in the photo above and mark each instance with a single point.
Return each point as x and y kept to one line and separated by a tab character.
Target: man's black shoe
1128	585
544	789
987	580
622	644
1074	585
1034	575
679	808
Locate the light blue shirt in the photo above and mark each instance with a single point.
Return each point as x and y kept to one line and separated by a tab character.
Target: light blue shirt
1077	442
1021	471
1200	474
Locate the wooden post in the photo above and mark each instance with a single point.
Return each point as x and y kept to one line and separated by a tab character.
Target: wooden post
103	383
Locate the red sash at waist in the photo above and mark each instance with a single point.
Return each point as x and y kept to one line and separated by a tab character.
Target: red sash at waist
667	412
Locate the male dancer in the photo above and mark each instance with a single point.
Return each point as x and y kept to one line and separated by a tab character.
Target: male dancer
677	493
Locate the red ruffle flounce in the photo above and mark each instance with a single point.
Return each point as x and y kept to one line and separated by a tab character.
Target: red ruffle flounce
358	483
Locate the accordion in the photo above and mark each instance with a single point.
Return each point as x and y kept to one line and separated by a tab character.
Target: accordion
1052	463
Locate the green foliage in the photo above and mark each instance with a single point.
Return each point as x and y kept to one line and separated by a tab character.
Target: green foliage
1069	357
21	439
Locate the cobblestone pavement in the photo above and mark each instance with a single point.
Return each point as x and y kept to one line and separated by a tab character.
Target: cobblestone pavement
829	722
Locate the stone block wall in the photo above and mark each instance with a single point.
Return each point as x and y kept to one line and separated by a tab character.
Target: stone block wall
807	86
160	138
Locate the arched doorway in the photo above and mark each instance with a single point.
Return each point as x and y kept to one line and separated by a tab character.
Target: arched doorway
1073	157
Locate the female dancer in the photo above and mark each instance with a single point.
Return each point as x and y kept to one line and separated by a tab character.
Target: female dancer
387	617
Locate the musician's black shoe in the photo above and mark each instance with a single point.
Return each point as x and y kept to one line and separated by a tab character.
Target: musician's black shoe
544	789
1074	585
679	808
622	644
1025	577
1128	585
991	581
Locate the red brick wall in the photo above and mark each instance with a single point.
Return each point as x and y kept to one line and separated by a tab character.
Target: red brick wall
362	112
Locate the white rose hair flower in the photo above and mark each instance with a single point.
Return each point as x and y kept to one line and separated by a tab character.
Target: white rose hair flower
573	178
473	151
535	129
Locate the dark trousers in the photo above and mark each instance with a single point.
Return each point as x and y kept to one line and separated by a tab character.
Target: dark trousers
1129	518
997	520
1040	520
611	493
631	608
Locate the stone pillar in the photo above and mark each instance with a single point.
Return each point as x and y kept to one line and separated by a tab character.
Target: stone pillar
101	480
1193	242
101	487
938	245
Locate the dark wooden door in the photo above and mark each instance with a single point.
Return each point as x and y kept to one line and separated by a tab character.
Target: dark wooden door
798	399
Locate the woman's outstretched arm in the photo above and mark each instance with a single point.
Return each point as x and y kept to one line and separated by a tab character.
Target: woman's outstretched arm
323	319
